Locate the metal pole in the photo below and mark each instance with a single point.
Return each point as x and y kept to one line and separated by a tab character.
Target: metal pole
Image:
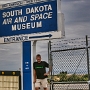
87	58
34	51
34	58
49	54
50	62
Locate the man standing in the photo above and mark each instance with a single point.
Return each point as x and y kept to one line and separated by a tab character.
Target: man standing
40	75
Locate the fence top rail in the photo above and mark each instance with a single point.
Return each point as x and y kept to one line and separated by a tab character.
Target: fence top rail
70	49
73	82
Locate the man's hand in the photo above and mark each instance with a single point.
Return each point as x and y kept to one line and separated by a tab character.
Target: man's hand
34	81
34	73
46	74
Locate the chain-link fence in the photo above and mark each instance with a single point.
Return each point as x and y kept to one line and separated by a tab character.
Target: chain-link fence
70	59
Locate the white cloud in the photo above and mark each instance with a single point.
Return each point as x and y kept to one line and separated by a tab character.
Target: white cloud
79	1
10	56
3	49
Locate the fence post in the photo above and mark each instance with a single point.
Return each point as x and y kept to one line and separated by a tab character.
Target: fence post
50	62
49	52
87	59
50	55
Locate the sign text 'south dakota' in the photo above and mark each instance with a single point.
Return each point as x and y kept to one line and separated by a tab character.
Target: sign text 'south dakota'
31	10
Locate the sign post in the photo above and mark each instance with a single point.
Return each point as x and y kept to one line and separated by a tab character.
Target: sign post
30	20
27	66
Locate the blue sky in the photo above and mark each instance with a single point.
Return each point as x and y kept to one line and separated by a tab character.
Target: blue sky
77	24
